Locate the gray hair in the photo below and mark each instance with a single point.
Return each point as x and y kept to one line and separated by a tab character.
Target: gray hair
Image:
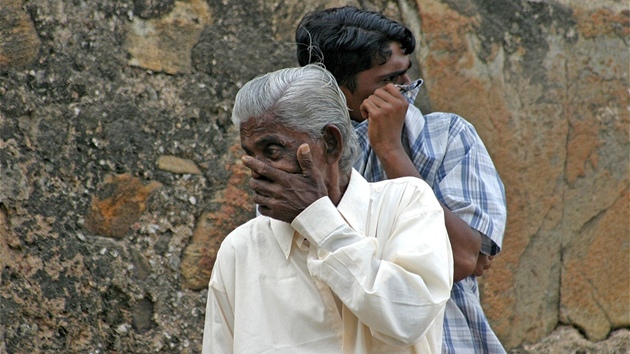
305	99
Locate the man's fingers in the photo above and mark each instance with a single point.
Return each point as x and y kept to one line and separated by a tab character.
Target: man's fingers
388	93
391	89
368	106
305	159
378	102
261	200
385	99
260	168
365	111
260	187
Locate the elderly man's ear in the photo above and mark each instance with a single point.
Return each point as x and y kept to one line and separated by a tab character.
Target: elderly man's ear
333	142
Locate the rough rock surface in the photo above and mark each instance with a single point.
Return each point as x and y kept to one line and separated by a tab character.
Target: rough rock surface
546	86
119	169
19	43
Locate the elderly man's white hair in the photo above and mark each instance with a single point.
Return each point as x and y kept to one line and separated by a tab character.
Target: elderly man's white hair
304	99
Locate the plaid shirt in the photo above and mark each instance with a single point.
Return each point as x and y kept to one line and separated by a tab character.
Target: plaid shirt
453	160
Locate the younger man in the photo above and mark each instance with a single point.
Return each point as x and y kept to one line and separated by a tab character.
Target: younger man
369	56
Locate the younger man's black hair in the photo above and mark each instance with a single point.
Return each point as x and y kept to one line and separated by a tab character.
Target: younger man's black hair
348	40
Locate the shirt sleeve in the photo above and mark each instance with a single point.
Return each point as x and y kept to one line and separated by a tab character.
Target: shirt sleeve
218	332
397	291
469	185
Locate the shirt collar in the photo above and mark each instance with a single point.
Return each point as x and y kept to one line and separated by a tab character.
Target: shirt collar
355	202
283	233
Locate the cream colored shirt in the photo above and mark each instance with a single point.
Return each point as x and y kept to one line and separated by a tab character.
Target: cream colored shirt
371	275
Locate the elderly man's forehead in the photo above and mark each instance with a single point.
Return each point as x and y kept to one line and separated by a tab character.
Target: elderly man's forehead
257	123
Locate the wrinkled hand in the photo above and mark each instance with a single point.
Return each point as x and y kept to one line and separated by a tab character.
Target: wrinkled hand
385	109
282	195
484	262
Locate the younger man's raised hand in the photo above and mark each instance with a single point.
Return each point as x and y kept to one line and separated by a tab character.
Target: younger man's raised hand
385	109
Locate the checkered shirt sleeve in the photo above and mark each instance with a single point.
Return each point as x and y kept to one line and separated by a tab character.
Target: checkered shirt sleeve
453	160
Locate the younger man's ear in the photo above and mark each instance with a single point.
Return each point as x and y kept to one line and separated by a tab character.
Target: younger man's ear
333	143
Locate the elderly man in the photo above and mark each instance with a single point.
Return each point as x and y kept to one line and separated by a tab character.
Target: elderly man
333	264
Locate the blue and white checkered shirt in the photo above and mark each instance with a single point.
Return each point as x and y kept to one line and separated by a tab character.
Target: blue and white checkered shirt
453	160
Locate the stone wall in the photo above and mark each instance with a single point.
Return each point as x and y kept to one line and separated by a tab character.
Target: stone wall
546	86
119	170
